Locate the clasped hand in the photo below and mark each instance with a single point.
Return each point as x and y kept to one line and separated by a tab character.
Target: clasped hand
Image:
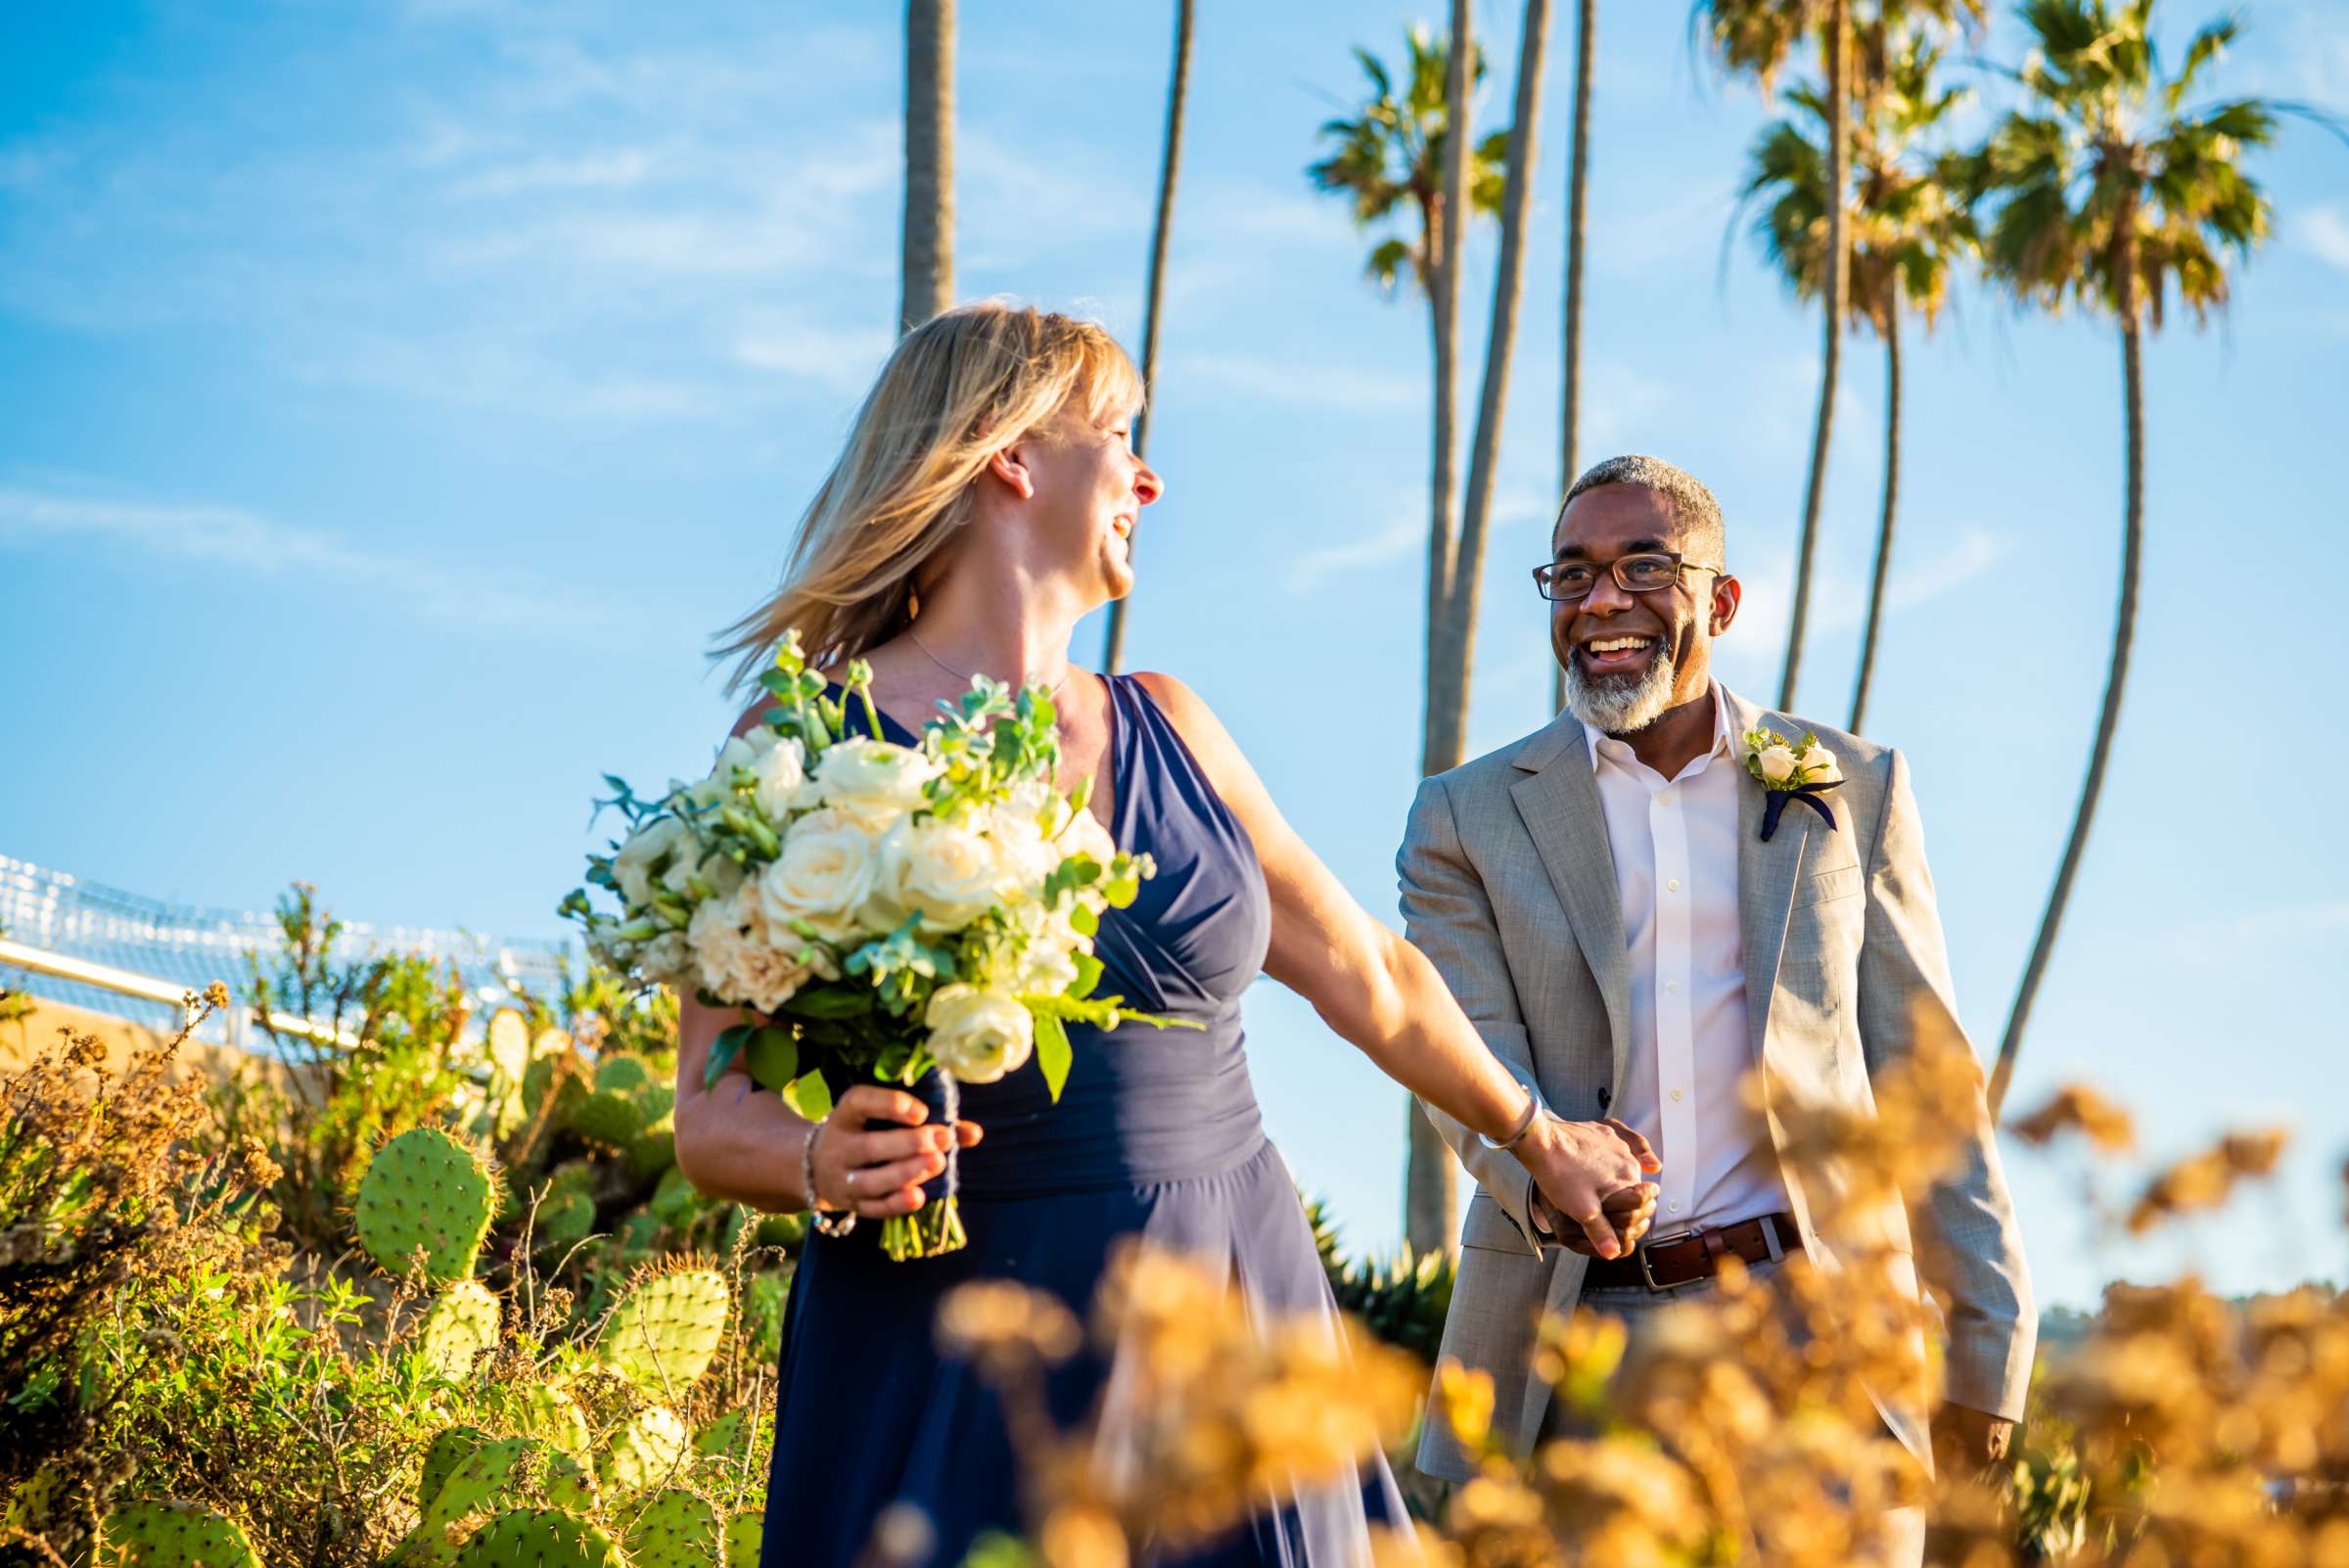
878	1170
1590	1181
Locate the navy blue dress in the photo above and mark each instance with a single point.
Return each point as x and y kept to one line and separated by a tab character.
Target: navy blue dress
1156	1135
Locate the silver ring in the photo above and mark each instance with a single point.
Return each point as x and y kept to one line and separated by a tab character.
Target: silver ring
852	1180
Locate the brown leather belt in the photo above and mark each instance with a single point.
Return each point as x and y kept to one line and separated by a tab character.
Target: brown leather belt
1663	1263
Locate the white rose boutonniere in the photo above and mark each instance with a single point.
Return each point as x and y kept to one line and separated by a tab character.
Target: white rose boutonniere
1789	770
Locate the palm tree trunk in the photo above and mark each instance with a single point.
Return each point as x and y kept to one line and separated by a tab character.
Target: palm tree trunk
927	254
1585	49
1456	664
2124	632
1170	163
1832	300
1892	491
1430	1197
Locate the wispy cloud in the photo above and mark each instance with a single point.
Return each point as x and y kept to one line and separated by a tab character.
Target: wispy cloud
2325	232
235	538
840	358
1397	539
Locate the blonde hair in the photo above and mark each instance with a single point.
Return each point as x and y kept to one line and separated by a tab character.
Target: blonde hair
958	388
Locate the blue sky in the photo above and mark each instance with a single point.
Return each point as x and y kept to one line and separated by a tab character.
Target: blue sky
397	395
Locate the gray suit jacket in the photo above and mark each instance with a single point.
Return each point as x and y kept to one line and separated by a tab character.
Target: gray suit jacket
1508	885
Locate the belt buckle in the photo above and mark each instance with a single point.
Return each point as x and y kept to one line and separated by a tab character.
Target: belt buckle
1647	1272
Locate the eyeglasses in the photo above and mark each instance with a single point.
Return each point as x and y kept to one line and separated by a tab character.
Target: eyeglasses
1645	573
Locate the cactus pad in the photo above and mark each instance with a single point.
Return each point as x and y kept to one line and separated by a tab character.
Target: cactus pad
173	1535
743	1533
676	1201
450	1449
425	1191
676	1529
724	1436
654	1151
646	1452
560	1076
539	1537
623	1073
610	1117
497	1474
663	1333
462	1324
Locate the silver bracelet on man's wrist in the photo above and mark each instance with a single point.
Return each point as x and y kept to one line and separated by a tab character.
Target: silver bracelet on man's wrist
1525	1125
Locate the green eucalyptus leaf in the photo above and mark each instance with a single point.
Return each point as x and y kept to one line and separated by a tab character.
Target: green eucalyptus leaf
1052	1053
808	1096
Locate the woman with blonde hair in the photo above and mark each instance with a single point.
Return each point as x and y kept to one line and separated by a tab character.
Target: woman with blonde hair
986	500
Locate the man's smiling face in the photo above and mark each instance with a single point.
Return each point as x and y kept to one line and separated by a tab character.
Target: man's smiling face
1631	657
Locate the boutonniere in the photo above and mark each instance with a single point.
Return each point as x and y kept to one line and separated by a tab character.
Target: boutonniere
1788	771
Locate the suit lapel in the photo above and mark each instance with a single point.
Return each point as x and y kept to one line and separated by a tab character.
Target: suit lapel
1767	874
1558	800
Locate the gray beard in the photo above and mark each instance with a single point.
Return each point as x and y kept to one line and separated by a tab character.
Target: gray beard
1617	704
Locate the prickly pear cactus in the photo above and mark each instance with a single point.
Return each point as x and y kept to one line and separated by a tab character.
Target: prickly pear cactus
460	1325
424	1190
646	1452
676	1202
509	1043
539	1537
676	1529
623	1073
500	1474
450	1449
173	1535
551	1414
560	1076
610	1117
724	1437
663	1331
654	1151
744	1532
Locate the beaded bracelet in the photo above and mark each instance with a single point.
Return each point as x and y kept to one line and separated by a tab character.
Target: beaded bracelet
829	1225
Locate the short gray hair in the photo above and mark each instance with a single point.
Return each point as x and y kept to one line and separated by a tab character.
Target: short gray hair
1693	506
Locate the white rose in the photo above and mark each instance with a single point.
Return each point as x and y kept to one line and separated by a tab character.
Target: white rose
1025	856
828	868
978	1035
873	780
669	959
686	858
642	857
948	872
1085	835
1820	763
1778	764
781	771
1046	969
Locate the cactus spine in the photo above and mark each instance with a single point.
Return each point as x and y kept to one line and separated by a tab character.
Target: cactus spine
676	1529
539	1537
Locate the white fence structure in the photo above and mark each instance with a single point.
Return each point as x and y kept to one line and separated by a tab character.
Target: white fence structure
88	944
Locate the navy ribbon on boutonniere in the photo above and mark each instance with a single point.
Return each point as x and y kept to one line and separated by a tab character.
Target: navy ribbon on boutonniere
1776	799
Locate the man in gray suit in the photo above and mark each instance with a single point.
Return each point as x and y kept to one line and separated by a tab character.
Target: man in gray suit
1600	899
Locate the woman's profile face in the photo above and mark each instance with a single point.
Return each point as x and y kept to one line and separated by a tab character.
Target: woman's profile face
1089	494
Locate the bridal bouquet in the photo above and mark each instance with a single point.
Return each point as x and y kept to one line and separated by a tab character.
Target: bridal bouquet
877	911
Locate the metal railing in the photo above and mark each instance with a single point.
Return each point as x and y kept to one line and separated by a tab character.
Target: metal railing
237	1018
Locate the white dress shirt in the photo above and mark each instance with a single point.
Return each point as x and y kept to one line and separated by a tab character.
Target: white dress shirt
1674	844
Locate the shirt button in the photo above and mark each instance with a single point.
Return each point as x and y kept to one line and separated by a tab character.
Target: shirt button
1673	987
1673	886
1676	1094
1673	1207
1665	795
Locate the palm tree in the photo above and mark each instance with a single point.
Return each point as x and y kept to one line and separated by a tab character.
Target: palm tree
2104	192
1905	227
1758	37
928	248
1391	160
1570	417
1113	652
1455	640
